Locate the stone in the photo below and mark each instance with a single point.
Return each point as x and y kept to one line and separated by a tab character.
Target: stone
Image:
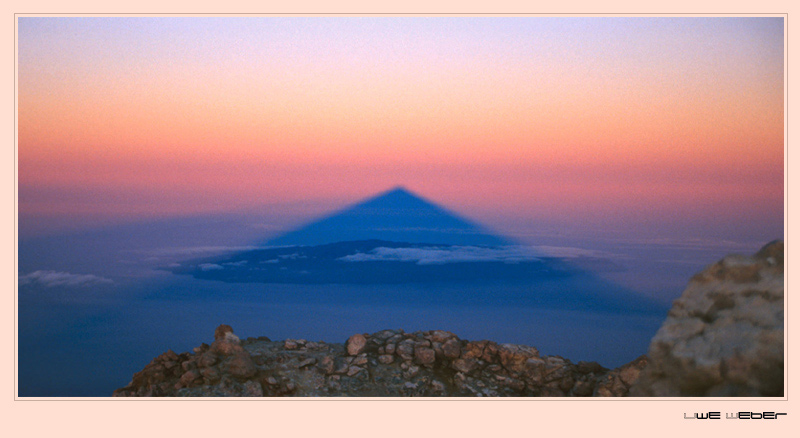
340	365
211	374
437	387
630	372
290	344
207	359
411	372
424	355
225	342
611	386
240	365
590	367
202	348
360	360
221	331
440	336
465	365
583	388
406	349
356	344
307	362
386	359
252	389
188	377
724	335
326	365
451	348
514	358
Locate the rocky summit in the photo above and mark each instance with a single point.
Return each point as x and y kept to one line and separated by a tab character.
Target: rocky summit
388	363
722	337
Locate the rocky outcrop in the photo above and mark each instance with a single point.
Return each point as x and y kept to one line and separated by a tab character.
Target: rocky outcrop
384	364
724	336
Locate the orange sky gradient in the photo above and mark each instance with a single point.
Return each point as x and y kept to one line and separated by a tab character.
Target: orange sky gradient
506	120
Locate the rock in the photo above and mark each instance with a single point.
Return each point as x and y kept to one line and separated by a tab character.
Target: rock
221	331
252	389
207	359
451	348
188	377
211	374
356	344
630	373
360	360
437	387
724	335
424	355
610	386
326	365
411	372
590	367
440	336
406	349
340	365
169	356
465	365
225	342
386	359
240	365
307	362
514	358
290	344
583	388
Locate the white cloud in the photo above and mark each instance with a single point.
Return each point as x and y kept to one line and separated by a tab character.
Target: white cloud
209	267
53	278
566	252
456	254
452	254
295	256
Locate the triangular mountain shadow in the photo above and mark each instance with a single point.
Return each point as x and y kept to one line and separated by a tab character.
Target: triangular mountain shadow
396	216
398	238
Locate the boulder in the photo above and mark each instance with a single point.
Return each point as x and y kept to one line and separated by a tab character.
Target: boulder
356	344
724	336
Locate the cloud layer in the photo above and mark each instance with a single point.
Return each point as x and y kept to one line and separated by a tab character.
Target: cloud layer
53	278
456	254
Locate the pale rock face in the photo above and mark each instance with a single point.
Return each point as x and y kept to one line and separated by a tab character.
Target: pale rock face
356	344
724	335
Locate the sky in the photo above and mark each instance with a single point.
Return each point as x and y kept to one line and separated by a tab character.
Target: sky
658	126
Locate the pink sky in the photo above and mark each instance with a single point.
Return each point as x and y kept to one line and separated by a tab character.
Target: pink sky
511	121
